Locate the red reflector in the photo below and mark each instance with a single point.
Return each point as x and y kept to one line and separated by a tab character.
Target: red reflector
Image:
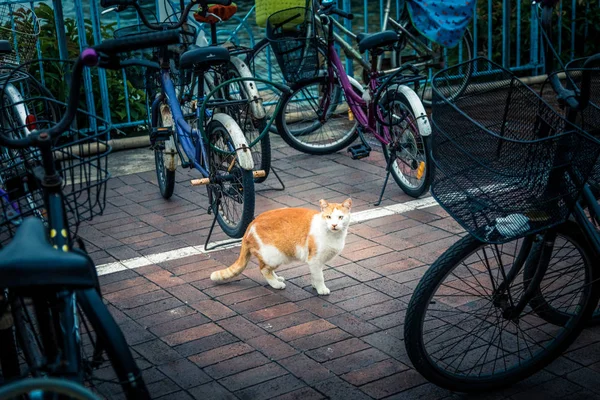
31	122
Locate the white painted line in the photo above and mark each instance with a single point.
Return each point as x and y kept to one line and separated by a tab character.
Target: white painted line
357	217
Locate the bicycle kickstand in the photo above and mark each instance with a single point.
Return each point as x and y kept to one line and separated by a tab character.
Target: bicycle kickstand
212	226
388	170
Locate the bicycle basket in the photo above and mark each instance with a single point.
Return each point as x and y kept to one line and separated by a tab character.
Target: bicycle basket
149	79
292	35
589	118
19	25
80	157
506	164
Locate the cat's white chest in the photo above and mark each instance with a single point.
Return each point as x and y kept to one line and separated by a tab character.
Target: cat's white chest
329	244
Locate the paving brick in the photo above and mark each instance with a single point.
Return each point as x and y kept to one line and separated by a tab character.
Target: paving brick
587	378
359	273
337	389
142	299
353	325
393	320
587	355
272	347
390	287
191	334
165	279
244	295
213	309
105	280
287	321
374	372
157	352
304	393
319	339
230	287
179	324
181	395
271	388
253	376
241	327
235	365
320	307
306	369
184	373
355	361
134	333
363	301
389	344
305	329
349	293
123	284
279	310
337	349
296	293
163	388
367	253
259	303
187	293
430	391
167	316
211	390
205	344
220	354
153	308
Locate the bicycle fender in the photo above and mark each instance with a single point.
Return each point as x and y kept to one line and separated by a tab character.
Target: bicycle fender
170	150
244	153
250	87
417	106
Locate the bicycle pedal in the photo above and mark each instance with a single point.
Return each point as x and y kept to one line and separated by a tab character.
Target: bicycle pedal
160	134
359	151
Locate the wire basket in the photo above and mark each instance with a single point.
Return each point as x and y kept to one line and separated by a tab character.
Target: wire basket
80	156
506	163
19	26
149	79
293	38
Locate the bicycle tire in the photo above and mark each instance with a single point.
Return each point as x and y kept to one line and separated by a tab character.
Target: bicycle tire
252	128
164	176
110	337
310	126
410	141
430	71
423	297
51	385
26	337
241	190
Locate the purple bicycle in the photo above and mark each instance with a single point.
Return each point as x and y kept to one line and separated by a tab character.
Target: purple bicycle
327	110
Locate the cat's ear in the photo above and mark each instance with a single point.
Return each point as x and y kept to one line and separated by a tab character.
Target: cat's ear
347	203
323	204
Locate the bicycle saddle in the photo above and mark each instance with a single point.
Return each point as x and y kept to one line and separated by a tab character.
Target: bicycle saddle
5	47
29	260
223	12
203	57
368	41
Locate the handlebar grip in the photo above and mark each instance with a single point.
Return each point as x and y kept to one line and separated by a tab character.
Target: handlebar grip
112	3
219	2
343	13
138	42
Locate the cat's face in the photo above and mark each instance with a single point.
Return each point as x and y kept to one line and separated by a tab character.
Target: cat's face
336	215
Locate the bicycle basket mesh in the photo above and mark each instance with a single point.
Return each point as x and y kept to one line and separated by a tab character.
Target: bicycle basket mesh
149	79
589	118
293	39
19	26
506	164
80	156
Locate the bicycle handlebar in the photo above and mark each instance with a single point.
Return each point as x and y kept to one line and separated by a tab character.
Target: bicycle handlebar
124	4
102	55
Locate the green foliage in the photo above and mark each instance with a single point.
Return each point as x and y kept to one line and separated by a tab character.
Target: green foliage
55	73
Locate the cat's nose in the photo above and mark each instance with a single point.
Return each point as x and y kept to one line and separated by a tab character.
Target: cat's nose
333	225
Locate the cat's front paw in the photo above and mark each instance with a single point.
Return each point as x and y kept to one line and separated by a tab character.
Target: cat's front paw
323	290
280	278
277	284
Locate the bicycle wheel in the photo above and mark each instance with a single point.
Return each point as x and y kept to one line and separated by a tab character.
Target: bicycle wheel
252	127
231	195
408	148
459	331
315	119
429	64
165	175
36	388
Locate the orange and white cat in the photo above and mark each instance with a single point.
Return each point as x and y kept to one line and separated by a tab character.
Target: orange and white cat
284	235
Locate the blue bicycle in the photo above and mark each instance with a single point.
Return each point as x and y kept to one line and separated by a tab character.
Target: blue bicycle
204	138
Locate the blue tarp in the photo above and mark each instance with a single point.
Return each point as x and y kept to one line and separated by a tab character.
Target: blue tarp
442	21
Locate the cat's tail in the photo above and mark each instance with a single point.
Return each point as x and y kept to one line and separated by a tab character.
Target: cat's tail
236	268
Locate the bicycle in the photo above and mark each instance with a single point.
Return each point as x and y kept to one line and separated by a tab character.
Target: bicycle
507	299
37	388
212	142
313	118
63	329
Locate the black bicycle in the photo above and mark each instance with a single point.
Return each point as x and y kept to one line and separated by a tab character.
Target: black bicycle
508	299
50	290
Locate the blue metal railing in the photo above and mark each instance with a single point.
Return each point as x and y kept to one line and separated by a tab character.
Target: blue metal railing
245	32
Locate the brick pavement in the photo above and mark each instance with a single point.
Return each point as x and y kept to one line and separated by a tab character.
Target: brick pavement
244	340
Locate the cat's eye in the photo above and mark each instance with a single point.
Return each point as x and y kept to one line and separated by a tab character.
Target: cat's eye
341	217
329	217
